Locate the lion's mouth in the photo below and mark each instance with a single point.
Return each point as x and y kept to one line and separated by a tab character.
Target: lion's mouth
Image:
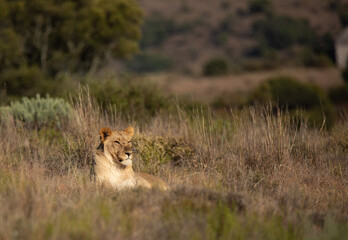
122	160
126	162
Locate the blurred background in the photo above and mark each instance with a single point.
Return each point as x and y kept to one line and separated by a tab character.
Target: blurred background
144	57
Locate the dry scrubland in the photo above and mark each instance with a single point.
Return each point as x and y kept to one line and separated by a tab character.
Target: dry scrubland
207	89
251	175
205	29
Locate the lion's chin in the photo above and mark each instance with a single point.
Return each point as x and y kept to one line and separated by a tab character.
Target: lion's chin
126	162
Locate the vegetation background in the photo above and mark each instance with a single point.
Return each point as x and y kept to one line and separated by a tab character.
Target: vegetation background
237	105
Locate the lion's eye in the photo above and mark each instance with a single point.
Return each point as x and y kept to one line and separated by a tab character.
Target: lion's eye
117	142
129	141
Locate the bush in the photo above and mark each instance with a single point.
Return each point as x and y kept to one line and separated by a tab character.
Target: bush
343	15
159	150
311	59
155	31
345	74
135	100
339	95
259	64
258	6
215	67
290	94
281	32
38	112
324	45
225	5
11	48
219	36
27	81
145	62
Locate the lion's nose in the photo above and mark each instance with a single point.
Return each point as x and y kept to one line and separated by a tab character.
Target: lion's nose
128	154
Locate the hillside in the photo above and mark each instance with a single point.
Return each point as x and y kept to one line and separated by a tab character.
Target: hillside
252	145
190	32
250	175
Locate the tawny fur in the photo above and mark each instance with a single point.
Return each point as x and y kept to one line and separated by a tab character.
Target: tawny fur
113	162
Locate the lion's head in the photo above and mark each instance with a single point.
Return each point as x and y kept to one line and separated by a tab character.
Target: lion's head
117	145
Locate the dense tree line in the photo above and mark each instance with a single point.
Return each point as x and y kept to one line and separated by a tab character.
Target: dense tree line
46	37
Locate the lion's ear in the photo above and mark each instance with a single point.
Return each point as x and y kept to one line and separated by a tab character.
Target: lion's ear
104	133
129	131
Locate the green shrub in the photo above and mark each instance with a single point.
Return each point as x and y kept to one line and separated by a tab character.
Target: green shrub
227	24
156	30
227	101
215	67
259	64
281	32
162	150
339	94
345	74
219	36
343	15
145	62
136	100
333	5
225	5
11	48
38	112
27	81
258	6
311	59
319	53
324	45
289	94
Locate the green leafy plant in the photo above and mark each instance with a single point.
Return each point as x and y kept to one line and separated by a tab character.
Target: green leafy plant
219	36
215	67
339	94
281	32
146	62
163	149
345	74
155	31
343	16
38	112
290	94
27	81
135	99
258	6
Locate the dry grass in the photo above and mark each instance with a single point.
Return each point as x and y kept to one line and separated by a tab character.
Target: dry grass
250	175
207	89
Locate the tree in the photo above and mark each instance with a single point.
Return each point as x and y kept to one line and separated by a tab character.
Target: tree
67	35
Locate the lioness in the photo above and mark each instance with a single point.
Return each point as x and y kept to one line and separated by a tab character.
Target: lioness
112	164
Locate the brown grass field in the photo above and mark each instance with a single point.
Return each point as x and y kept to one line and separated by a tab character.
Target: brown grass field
207	89
250	175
